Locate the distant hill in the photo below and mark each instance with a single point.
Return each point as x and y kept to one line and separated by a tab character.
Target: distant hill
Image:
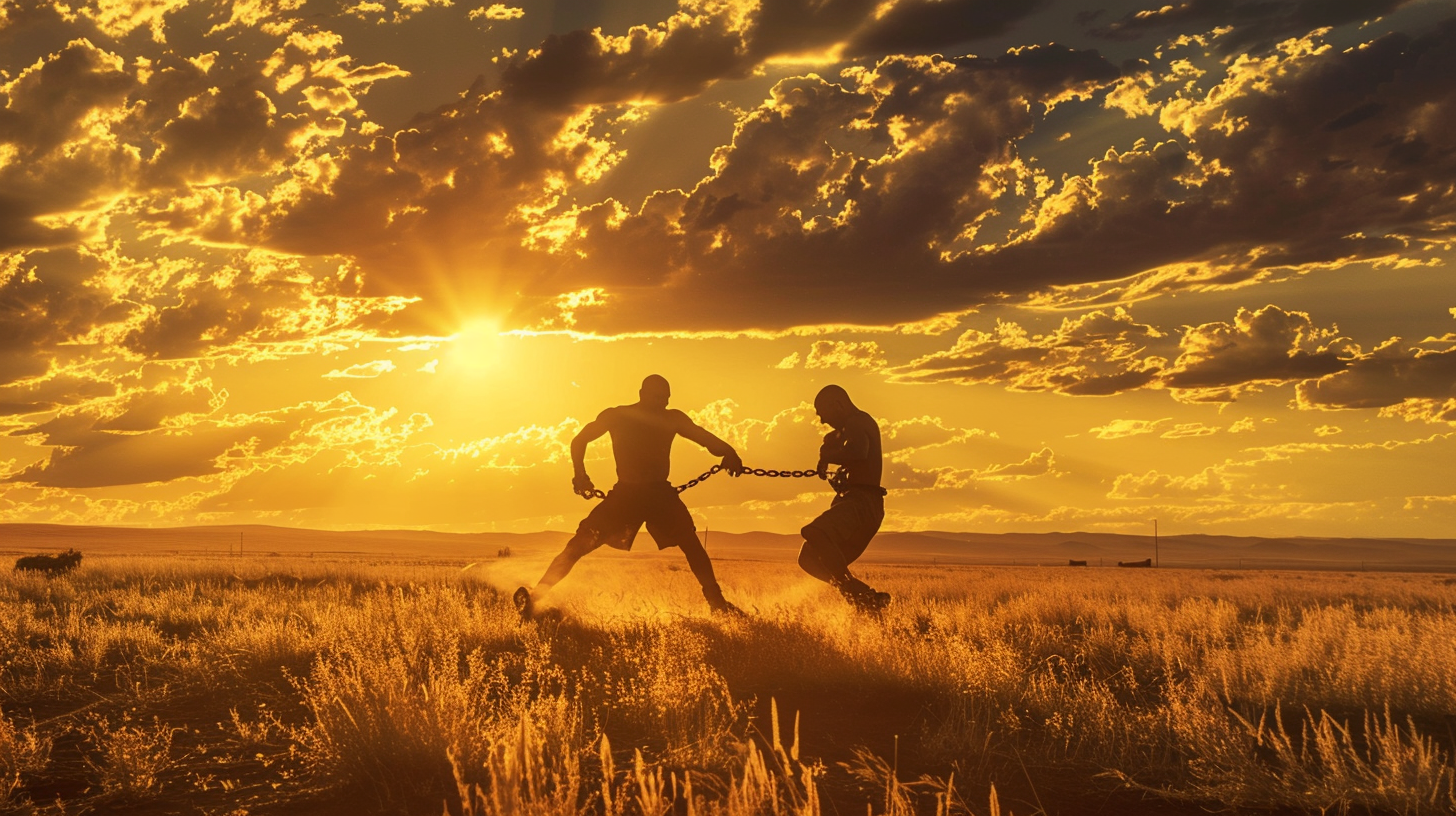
928	547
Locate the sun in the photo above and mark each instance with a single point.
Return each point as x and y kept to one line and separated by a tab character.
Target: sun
478	349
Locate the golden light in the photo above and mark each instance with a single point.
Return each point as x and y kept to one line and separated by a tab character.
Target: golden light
478	350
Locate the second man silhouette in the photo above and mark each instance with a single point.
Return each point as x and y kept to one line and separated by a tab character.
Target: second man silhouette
840	534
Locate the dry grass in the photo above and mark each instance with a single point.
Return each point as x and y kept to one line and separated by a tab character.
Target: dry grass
286	685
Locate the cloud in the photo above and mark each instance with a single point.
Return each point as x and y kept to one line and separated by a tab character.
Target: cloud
1218	361
362	371
1364	173
902	438
845	354
1240	25
44	302
1122	428
54	389
1209	483
498	11
118	18
1427	410
1099	353
527	447
191	438
1183	430
825	187
1039	463
681	56
50	160
1390	375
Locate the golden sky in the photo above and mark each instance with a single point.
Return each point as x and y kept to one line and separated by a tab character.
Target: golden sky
364	264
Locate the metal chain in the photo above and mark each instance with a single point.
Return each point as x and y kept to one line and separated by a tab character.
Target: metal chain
596	493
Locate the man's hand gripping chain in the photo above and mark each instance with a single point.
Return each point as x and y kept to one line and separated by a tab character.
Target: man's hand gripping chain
586	490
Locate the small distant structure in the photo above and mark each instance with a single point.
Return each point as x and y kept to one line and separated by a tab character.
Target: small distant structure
51	565
1146	562
503	552
1072	562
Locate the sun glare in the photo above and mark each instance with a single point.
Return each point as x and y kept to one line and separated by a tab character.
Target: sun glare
479	349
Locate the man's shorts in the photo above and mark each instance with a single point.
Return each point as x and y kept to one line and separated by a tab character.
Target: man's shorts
851	521
628	506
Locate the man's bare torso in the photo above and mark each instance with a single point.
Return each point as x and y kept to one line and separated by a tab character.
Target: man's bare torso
642	441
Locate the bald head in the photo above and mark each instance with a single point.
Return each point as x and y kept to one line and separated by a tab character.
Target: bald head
833	405
655	391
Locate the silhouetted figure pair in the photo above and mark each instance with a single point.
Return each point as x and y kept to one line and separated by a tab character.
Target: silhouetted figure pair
642	435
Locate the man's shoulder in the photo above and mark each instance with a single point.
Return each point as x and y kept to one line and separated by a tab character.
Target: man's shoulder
864	420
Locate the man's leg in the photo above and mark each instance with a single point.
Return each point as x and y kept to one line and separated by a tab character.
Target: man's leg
702	567
671	525
580	544
822	559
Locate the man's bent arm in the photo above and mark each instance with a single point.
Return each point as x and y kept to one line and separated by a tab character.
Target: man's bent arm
851	445
589	432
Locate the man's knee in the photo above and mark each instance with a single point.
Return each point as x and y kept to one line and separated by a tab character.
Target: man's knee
808	561
582	543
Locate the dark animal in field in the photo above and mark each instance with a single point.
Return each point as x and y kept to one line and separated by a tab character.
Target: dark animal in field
49	564
1146	562
1072	562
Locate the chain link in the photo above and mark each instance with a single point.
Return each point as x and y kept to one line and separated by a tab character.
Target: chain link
596	493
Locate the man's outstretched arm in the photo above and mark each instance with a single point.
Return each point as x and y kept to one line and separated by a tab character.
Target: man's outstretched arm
580	482
691	430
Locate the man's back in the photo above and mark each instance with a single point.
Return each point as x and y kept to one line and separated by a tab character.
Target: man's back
642	440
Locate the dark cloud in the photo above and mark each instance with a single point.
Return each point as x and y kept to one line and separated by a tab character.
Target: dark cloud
477	186
1103	353
1391	374
1251	24
46	126
1098	354
833	202
922	26
862	202
1312	157
173	432
1270	345
121	441
49	393
44	302
680	57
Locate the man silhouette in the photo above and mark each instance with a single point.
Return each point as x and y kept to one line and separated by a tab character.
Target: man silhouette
840	534
642	435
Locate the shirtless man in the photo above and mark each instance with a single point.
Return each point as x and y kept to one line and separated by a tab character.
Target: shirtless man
642	435
840	534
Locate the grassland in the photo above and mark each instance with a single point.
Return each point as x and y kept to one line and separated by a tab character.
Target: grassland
293	685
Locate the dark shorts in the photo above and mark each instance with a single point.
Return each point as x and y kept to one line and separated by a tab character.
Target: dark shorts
851	521
622	513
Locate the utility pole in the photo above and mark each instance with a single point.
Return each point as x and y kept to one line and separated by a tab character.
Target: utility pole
1155	542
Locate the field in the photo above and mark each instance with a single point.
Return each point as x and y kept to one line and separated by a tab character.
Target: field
293	685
